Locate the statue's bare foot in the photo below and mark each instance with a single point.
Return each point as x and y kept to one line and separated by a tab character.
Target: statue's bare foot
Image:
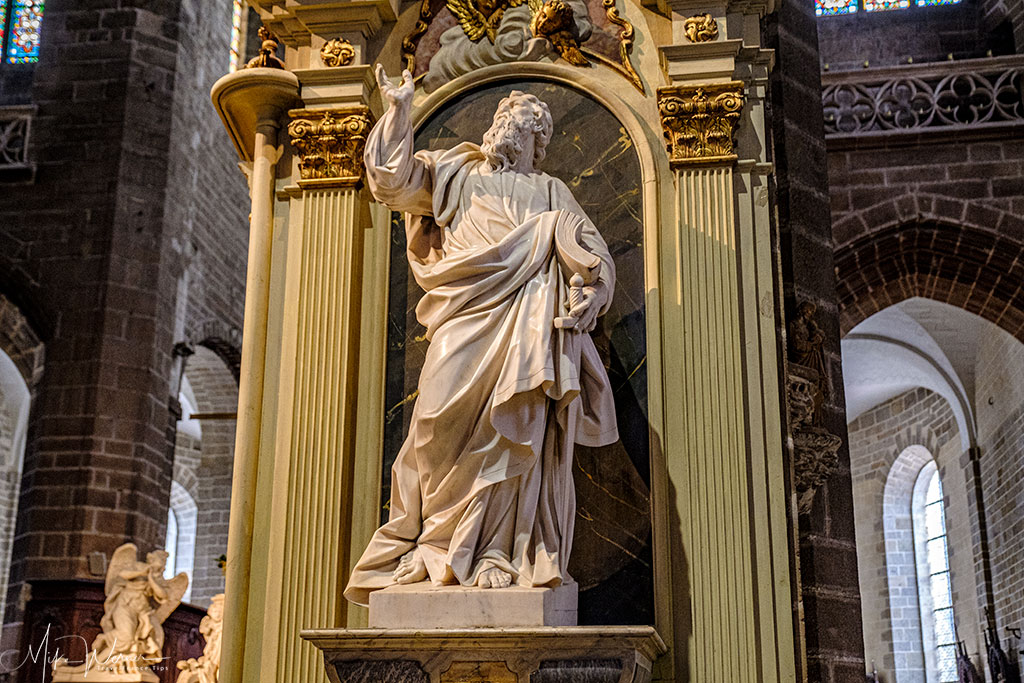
494	578
411	568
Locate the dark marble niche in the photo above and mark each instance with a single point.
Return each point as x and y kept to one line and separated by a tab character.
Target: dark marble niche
384	671
594	155
578	671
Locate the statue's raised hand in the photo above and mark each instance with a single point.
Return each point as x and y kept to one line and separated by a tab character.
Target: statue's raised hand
400	96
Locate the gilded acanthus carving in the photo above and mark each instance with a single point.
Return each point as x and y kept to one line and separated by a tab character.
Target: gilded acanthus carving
337	52
699	121
701	28
330	143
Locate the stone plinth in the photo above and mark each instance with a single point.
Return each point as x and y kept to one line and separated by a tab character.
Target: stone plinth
421	605
567	654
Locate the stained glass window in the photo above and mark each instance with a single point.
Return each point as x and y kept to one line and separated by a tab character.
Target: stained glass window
3	20
824	8
237	7
932	3
23	39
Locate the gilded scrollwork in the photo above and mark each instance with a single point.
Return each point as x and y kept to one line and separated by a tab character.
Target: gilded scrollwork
699	121
701	28
337	52
330	143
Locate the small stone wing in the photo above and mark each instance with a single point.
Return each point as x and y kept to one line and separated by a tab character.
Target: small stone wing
124	558
176	588
472	20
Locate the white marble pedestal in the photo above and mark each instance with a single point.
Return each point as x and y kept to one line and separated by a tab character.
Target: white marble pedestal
545	654
421	605
99	673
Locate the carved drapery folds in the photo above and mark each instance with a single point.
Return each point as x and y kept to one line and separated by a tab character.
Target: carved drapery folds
699	122
330	144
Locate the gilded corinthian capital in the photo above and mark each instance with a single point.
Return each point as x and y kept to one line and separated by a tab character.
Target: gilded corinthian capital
699	121
330	144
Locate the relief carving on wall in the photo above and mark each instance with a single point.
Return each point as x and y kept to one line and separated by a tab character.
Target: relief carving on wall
337	52
699	121
700	28
815	449
330	143
455	37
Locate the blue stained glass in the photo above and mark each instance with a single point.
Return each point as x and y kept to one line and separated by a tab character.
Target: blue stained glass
880	5
933	3
827	8
26	18
3	19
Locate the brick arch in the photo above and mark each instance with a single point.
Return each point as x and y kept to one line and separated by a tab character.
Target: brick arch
979	268
223	339
20	342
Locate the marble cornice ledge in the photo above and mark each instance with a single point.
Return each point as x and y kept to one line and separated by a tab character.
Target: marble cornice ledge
699	122
296	21
248	97
554	641
339	87
329	145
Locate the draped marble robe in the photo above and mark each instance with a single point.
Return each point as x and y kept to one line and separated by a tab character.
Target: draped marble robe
484	478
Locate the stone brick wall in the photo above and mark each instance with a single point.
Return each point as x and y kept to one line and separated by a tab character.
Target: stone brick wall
921	34
827	549
131	238
889	445
999	396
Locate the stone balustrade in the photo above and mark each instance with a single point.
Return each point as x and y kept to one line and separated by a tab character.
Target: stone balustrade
975	93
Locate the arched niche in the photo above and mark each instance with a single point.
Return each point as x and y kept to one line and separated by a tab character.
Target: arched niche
600	160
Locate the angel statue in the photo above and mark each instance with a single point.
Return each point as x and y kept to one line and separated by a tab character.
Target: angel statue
206	669
515	276
138	600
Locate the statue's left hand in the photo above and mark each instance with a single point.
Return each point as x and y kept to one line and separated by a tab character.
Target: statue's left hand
586	311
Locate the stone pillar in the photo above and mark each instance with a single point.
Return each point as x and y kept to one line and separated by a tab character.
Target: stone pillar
722	444
317	382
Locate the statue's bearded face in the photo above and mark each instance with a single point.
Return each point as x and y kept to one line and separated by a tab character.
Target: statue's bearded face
518	118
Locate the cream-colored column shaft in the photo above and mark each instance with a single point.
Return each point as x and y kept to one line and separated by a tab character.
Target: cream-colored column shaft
722	644
314	458
250	401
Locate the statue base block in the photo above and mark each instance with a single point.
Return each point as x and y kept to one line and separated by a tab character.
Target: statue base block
423	605
98	674
567	654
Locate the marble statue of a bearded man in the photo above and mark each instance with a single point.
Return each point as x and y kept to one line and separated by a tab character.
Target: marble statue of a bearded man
482	490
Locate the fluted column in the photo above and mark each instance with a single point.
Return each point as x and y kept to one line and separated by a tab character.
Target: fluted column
308	496
717	460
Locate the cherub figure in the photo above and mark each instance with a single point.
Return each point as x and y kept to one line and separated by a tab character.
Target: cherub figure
138	601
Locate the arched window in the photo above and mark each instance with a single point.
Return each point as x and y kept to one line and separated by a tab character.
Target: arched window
237	15
935	592
180	541
19	30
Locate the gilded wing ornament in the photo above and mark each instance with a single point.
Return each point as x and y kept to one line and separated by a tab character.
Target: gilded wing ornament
480	18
